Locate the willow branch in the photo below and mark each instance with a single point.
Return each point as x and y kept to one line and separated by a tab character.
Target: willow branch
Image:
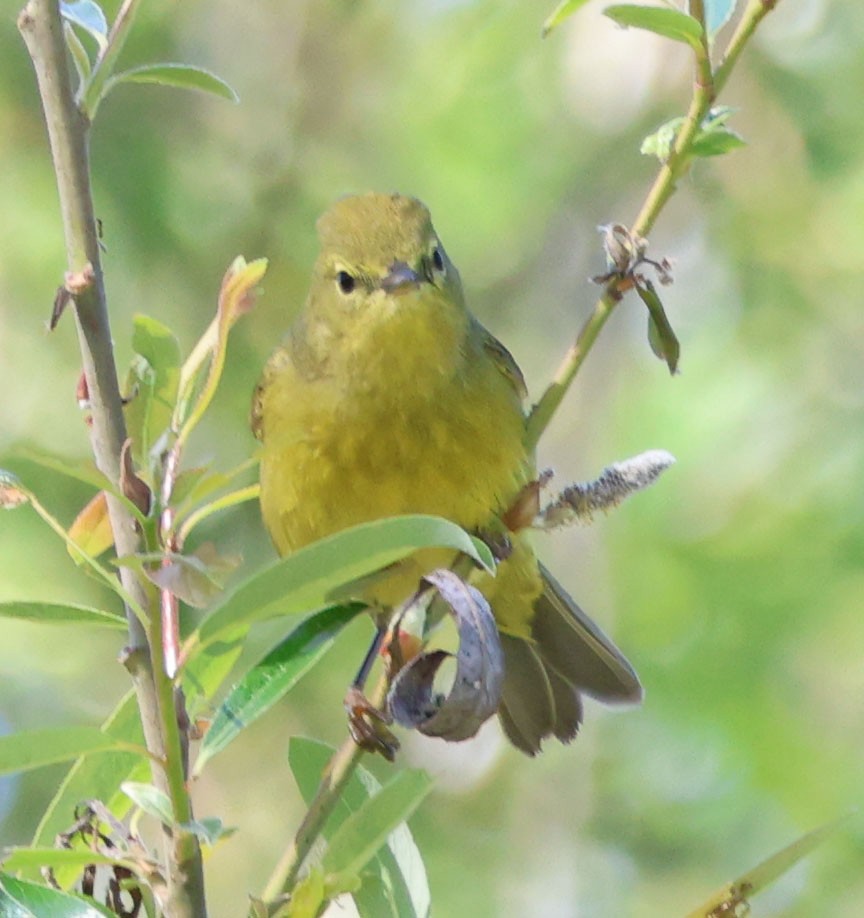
42	30
333	782
707	84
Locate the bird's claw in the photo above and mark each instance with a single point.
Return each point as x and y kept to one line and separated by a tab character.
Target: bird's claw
368	725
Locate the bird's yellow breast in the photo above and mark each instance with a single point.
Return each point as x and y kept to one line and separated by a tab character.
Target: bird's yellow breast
445	442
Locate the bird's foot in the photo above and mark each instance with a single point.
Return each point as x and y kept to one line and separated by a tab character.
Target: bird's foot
368	725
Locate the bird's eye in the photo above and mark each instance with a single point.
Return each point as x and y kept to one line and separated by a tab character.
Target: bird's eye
437	259
346	282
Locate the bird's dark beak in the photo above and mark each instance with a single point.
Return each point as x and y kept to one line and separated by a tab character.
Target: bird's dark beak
400	278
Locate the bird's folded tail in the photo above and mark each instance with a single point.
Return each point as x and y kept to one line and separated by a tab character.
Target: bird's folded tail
545	676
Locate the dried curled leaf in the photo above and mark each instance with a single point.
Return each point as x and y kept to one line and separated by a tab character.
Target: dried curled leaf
579	502
476	691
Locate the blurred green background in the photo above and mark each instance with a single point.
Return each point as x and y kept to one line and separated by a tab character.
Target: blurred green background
736	585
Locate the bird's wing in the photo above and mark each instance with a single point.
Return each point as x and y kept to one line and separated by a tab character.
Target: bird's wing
255	413
503	360
577	650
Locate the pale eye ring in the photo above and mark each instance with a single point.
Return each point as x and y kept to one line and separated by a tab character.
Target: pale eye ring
346	282
437	259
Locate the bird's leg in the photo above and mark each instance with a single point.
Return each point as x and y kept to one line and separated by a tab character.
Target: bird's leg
367	723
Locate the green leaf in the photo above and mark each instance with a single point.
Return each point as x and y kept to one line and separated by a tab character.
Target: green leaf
22	899
89	16
308	896
661	337
400	862
77	52
14	494
563	11
35	748
660	143
195	484
272	677
716	143
206	672
318	575
151	385
777	864
52	613
182	76
82	470
96	777
150	799
737	893
231	499
208	830
659	20
202	369
100	776
712	139
35	858
195	579
359	837
374	898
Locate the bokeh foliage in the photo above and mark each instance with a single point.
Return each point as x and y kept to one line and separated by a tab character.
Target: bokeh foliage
735	585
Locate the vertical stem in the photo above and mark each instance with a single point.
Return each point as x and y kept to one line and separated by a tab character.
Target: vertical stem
41	27
333	781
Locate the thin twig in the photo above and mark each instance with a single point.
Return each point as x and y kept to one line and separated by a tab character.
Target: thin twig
333	781
706	86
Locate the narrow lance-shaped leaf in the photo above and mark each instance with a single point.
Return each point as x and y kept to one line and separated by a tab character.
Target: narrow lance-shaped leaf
23	899
55	613
195	484
735	895
100	776
272	677
84	470
362	833
563	11
34	748
236	297
400	859
320	574
661	20
81	60
152	385
76	858
96	776
14	494
224	502
180	76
